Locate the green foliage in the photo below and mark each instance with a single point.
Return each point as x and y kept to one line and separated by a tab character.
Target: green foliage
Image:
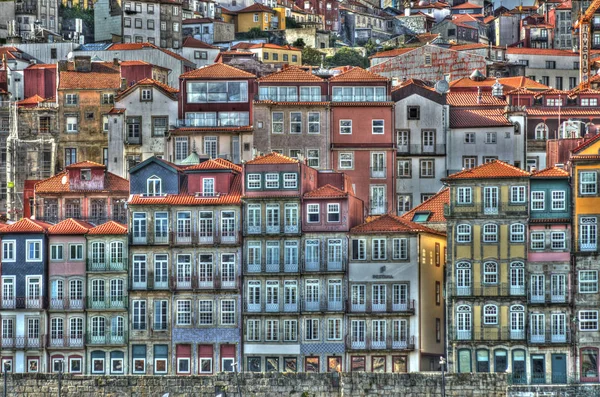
347	57
311	56
299	43
87	16
256	32
370	47
291	23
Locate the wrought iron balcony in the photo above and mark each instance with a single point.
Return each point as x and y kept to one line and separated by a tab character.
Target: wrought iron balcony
106	338
66	304
370	343
107	265
382	307
478	209
24	342
418	149
61	340
487	334
22	302
104	303
550	337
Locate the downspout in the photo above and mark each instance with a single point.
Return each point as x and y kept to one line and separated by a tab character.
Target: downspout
419	337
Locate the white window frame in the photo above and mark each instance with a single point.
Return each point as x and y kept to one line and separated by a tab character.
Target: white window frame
200	366
400	249
227	312
464	195
589	318
382	247
559	200
538	198
517	194
272	180
517	236
377	129
464	235
537	237
252	182
28	258
588	281
346	163
347	128
54	249
332	209
592	185
560	238
490	318
490	233
290	181
11	244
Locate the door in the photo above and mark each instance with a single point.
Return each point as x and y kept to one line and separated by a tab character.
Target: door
537	328
463	280
537	288
517	323
538	369
558	325
378	204
463	323
517	279
235	149
519	368
490	200
559	368
558	288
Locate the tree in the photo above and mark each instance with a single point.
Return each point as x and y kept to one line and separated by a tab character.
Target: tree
347	57
311	56
253	33
370	47
299	43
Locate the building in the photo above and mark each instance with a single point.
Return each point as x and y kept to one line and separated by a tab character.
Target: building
29	12
486	278
460	32
359	24
24	296
421	118
555	68
273	53
362	139
67	274
277	296
506	30
291	116
213	125
329	9
138	124
153	21
201	53
85	192
186	250
210	31
258	16
395	313
107	309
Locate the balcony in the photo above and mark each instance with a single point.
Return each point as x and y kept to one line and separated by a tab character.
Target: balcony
378	172
106	338
477	209
161	238
487	334
251	307
157	282
369	343
24	342
139	239
311	306
60	341
552	337
213	123
329	266
273	229
134	140
184	282
115	303
108	265
382	307
589	246
291	229
253	267
378	208
66	304
489	290
543	298
418	150
539	38
23	303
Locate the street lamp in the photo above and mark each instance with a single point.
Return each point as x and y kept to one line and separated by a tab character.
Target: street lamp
5	368
60	372
237	380
442	363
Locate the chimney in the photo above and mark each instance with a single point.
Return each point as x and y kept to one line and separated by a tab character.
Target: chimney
479	96
123	83
83	63
533	169
116	61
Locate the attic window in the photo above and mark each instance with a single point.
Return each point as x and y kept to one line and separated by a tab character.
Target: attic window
427	60
86	175
420	217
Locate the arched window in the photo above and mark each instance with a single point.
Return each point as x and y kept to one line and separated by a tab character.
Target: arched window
463	233
541	131
517	278
517	322
483	360
517	233
490	273
490	233
490	314
463	279
116	253
463	322
154	186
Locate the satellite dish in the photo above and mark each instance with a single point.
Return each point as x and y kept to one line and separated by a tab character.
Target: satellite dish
70	56
64	180
442	86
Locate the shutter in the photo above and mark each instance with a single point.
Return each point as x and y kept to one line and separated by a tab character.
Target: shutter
227	351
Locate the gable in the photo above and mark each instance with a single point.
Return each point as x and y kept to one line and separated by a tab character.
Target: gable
169	177
590	147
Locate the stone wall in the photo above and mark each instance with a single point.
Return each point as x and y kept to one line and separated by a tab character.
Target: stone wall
260	385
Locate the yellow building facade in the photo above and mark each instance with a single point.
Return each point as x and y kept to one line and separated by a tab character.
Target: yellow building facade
261	17
273	53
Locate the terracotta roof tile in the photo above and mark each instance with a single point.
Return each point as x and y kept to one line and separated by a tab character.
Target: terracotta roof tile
26	225
149	82
550	172
416	82
586	143
256	7
109	228
326	192
70	226
509	83
140	46
213	165
471	46
247	128
218	71
273	158
552	91
54	184
466	6
233	198
467	118
85	164
32	100
104	75
391	224
134	63
43	66
391	53
273	47
117	111
521	91
229	164
494	170
291	74
564	111
470	98
357	74
435	206
541	51
191	42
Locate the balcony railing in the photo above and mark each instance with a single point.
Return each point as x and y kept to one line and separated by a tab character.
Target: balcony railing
108	265
325	266
550	337
418	149
378	172
489	290
487	334
384	307
66	304
543	298
251	307
368	343
113	303
24	342
134	140
478	208
23	303
184	282
211	123
106	338
587	246
65	341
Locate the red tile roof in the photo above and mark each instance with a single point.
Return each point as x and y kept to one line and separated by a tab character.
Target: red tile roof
233	198
435	206
32	100
466	6
104	75
541	111
392	53
273	46
117	111
291	74
552	91
471	98
486	117
273	158
509	83
109	228
494	170
326	192
141	46
217	71
256	7
417	82
214	165
26	225
70	226
585	144
541	51
191	42
135	63
59	183
43	66
550	172
357	75
471	46
85	164
391	224
170	91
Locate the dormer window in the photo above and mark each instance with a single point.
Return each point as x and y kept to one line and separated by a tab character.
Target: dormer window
208	187
154	186
86	175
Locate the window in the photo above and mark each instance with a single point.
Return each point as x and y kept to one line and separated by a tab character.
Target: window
8	251
181	148
334	329
34	250
469	162
413	113
359	249
290	181
108	98
290	330
588	320
490	273
463	233
537	240
153	186
139	315
311	327
314	123
400	248
587	183
469	137
313	158
490	314
378	249
490	137
517	194
377	126
71	124
56	253
295	123
76	252
217	91
588	281
272	330
184	312
490	233
464	195
345	126
312	213
272	181
228	312
359	94
537	200
333	212
517	233
159	126
71	99
558	240
346	160
404	168
253	181
427	169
